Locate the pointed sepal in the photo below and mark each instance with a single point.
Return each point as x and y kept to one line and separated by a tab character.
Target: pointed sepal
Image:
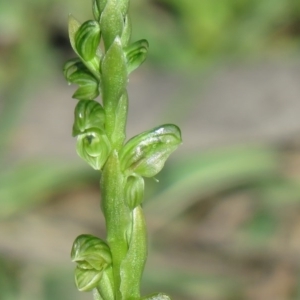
73	26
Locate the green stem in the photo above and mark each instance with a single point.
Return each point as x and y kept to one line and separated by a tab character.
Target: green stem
117	215
114	272
118	136
133	265
106	288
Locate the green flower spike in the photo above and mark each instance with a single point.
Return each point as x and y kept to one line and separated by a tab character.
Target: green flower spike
113	268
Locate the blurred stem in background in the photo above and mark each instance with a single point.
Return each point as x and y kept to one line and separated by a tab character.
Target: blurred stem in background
26	64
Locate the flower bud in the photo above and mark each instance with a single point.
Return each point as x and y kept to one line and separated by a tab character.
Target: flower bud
92	256
88	114
136	54
91	250
71	66
88	85
134	191
86	280
94	147
87	39
76	72
146	153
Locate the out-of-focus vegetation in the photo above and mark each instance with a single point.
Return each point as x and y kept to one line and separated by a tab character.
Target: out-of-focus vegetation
209	31
235	212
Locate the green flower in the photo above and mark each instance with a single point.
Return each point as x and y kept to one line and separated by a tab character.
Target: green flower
92	256
94	147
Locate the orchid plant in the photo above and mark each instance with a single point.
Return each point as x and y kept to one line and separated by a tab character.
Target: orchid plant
112	267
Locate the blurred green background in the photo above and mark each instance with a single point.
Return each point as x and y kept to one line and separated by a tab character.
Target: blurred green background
224	219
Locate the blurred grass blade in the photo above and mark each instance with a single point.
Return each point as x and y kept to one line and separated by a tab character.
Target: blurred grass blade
198	176
29	184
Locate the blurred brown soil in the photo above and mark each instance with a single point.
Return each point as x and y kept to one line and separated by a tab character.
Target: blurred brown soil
208	238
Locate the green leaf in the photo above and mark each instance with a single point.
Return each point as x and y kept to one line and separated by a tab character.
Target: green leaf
87	39
114	74
86	280
134	191
73	28
94	147
146	153
136	54
88	114
111	23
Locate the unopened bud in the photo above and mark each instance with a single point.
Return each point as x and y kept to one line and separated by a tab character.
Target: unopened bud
88	114
92	256
134	191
